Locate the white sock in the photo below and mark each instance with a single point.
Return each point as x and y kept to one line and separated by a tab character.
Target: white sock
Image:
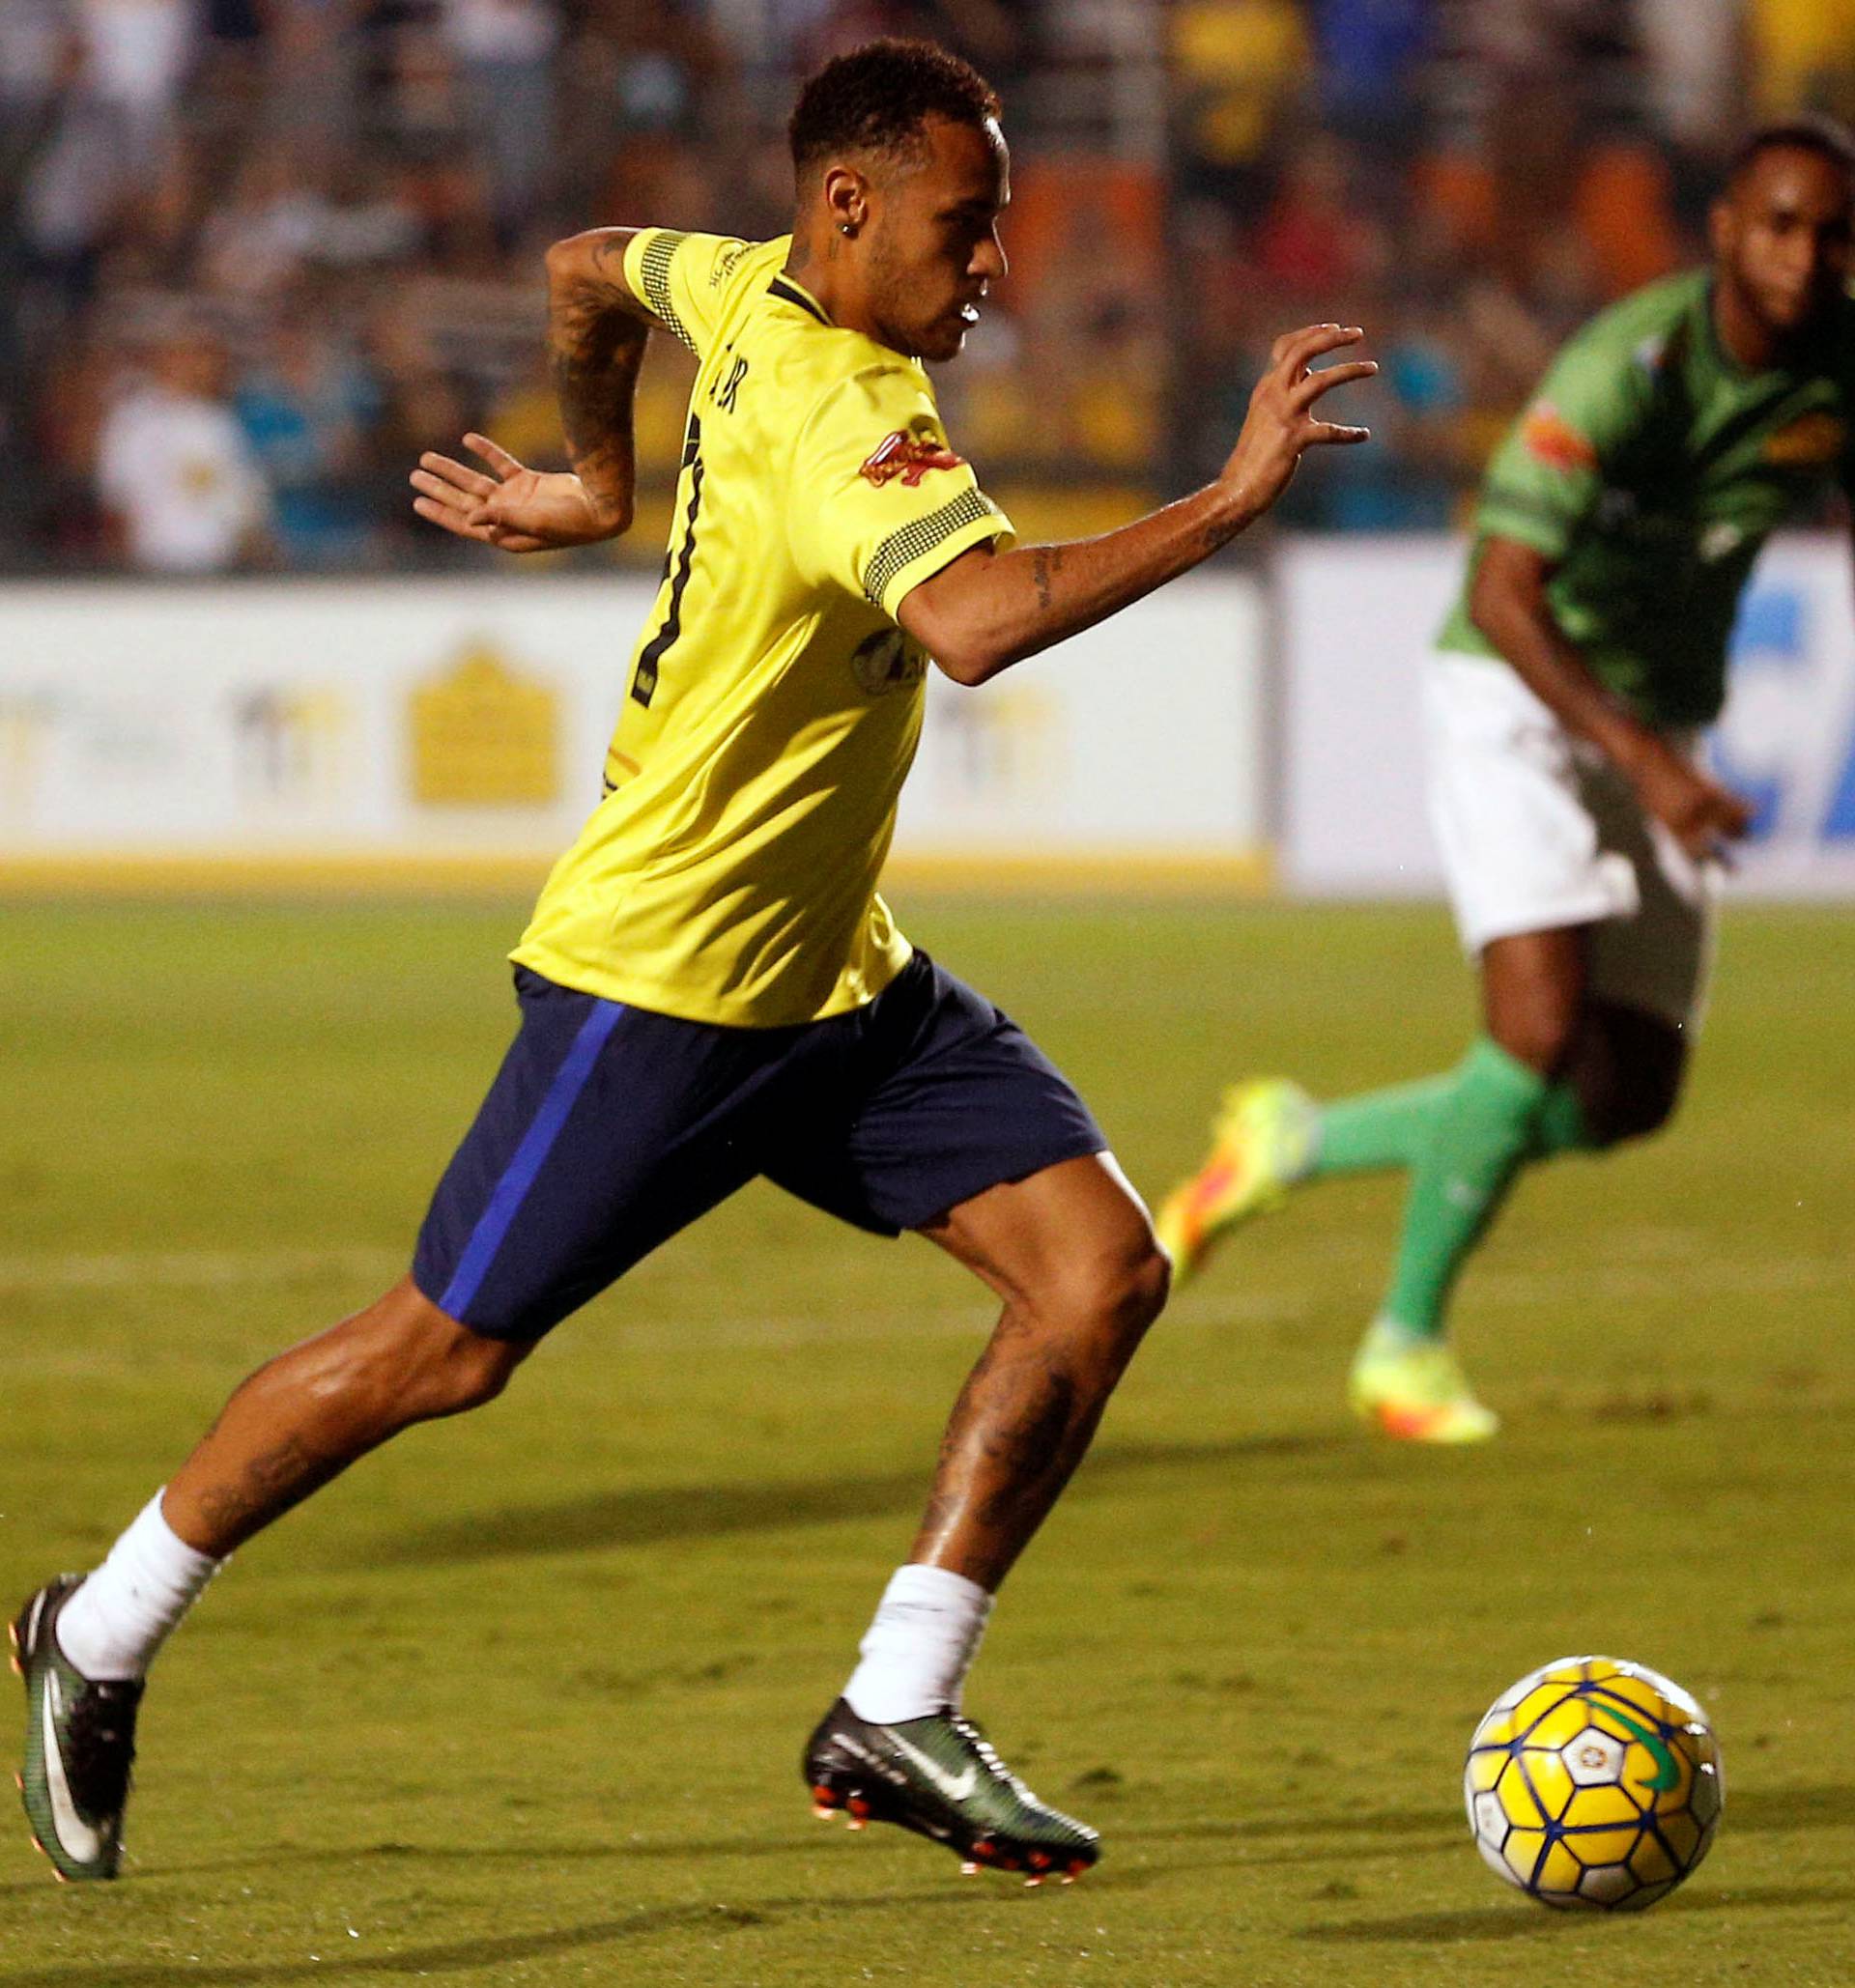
113	1624
915	1657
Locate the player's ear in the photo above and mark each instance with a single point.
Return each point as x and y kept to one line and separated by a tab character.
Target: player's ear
1721	225
846	199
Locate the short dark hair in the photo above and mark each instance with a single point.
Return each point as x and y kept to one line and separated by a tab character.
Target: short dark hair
1825	136
877	98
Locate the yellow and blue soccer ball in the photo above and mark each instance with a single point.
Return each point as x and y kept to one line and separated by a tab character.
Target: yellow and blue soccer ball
1593	1784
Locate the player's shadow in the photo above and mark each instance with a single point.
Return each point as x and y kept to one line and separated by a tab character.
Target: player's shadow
525	1856
1789	1808
651	1516
1513	1921
1396	1823
478	1955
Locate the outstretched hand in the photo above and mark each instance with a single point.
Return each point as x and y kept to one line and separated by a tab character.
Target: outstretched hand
514	508
1281	421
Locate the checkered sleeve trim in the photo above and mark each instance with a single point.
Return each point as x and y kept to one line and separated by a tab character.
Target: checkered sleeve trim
917	539
653	266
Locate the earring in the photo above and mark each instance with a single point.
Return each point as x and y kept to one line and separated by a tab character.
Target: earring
846	227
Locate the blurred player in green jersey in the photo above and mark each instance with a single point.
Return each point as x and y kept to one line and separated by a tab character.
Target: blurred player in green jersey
1580	838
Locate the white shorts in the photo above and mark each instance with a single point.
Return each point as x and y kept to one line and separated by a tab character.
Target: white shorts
1539	831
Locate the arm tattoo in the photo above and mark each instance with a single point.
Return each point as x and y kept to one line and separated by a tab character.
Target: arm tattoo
1045	562
1215	537
594	352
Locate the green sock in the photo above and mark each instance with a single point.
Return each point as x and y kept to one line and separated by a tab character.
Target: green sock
1475	1142
1380	1129
1561	1126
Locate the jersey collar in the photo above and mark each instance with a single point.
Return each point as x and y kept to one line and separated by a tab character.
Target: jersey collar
784	285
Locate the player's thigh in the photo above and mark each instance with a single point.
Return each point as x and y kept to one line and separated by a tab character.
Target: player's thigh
1072	1240
1533	987
1658	960
934	1096
607	1129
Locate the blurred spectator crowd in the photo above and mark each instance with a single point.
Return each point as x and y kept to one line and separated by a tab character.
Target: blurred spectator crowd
256	254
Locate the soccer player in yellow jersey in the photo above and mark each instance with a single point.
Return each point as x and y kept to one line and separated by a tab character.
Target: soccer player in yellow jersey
711	988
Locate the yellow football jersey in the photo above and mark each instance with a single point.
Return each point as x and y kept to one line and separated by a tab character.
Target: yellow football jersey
773	705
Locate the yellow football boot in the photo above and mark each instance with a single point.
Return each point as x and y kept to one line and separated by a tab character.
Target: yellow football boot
1414	1389
1262	1143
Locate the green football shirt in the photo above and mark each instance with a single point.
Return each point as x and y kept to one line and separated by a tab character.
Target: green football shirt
1650	468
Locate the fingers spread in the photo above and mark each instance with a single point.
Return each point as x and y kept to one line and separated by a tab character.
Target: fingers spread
1299	348
459	473
453	520
1307	391
493	453
441	491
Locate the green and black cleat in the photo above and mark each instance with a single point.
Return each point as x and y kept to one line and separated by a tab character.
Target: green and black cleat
939	1777
80	1745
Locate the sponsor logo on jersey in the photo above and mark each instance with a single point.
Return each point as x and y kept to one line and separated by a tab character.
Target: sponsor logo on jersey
1811	442
908	456
1549	439
725	263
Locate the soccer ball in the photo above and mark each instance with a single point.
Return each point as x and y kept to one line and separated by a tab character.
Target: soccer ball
1593	1784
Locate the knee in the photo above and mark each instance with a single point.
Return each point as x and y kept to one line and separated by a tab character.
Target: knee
1538	1033
1629	1075
1119	1292
417	1361
1631	1111
1144	1285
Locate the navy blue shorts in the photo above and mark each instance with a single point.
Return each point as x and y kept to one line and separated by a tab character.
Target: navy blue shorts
608	1128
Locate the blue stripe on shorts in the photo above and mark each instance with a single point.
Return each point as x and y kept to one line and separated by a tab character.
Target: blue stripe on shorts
510	1191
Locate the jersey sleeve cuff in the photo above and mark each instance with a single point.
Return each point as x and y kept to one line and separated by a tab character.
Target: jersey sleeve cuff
919	549
1545	531
647	259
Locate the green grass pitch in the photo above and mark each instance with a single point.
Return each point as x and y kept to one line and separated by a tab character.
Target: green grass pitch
520	1700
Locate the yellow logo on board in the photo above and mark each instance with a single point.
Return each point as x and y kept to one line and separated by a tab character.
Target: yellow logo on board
485	736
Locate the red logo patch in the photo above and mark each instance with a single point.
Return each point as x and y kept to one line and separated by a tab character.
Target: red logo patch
908	456
1811	442
1552	440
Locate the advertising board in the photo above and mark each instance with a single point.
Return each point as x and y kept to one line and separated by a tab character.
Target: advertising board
423	729
1357	620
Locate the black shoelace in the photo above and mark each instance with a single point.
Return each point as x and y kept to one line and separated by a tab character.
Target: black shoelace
99	1745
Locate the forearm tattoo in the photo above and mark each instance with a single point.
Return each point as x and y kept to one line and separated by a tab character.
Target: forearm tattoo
1045	562
594	352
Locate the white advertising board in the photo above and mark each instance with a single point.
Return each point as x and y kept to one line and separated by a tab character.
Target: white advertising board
292	721
1786	738
1358	617
1140	737
258	718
